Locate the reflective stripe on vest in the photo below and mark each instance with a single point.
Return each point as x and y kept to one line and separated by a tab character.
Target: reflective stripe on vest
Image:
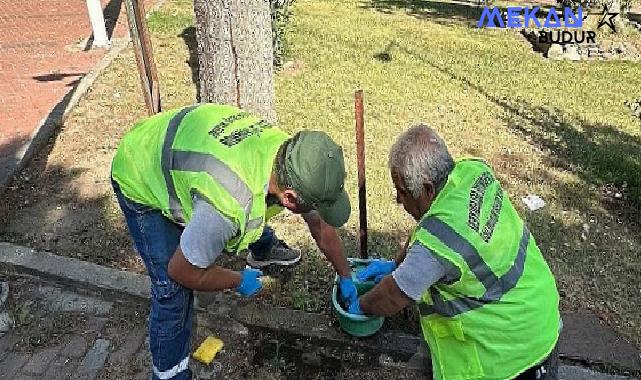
495	287
254	223
167	163
188	161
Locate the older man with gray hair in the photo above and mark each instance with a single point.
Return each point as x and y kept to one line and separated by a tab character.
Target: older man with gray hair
488	302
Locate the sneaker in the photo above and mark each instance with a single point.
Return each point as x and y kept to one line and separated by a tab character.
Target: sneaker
280	254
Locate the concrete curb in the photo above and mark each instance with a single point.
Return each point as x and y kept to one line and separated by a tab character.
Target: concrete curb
579	373
223	306
89	275
47	126
389	348
79	272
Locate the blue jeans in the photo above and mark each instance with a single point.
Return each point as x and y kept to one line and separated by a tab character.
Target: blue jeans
156	239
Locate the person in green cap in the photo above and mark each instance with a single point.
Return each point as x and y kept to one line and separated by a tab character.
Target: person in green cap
199	180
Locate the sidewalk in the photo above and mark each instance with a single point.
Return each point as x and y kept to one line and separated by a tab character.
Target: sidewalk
63	334
44	54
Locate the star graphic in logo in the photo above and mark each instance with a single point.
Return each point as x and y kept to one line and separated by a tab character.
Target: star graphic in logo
610	16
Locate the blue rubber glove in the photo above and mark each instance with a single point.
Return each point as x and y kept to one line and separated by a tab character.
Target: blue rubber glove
348	291
250	282
355	308
377	269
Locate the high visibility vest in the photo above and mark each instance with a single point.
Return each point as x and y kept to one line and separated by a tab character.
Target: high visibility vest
497	312
219	152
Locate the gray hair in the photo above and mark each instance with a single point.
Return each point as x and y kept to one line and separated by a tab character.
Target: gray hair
420	156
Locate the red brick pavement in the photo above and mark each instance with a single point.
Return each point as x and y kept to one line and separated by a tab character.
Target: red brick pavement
42	59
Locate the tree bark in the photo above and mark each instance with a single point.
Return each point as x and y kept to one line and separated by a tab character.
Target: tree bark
235	54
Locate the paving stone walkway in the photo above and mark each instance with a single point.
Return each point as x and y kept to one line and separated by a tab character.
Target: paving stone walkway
61	334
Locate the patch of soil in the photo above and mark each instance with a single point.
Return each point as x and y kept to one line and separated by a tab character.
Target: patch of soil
258	354
293	68
67	211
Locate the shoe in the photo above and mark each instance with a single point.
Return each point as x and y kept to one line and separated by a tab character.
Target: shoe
280	254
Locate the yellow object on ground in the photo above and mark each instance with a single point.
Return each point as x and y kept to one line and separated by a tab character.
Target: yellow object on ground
268	282
208	350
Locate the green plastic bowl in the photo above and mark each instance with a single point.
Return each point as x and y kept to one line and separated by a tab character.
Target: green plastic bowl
356	325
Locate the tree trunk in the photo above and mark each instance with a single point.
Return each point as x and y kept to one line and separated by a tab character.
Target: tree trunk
235	54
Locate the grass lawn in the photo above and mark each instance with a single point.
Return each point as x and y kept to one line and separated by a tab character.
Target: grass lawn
556	129
552	128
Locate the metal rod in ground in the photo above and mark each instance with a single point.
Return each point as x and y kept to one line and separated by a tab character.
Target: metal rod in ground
360	155
144	55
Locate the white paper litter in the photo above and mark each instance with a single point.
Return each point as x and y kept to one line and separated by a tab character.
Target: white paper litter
533	202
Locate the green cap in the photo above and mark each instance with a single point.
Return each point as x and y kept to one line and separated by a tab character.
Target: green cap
316	171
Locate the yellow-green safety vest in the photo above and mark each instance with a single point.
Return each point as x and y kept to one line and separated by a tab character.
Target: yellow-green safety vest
497	312
219	152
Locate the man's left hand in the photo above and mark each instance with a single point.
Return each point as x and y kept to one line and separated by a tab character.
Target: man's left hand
348	291
376	270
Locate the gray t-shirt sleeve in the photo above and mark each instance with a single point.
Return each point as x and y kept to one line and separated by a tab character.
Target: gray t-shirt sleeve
206	234
418	271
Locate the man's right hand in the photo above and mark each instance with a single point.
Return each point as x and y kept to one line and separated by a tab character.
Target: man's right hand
348	290
376	270
250	282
